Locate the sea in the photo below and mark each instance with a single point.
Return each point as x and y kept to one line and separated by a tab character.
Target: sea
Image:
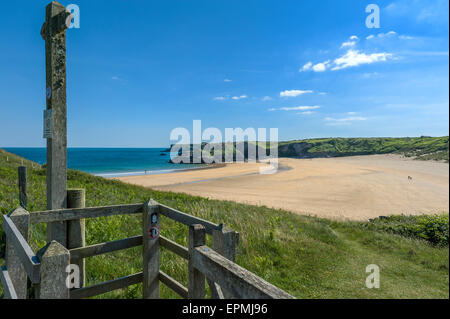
110	162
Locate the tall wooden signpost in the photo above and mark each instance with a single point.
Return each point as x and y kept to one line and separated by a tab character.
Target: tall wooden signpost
55	128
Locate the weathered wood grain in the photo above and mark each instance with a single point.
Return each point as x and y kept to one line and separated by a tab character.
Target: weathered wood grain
53	32
106	286
196	279
103	248
224	242
22	251
21	219
49	216
54	259
181	290
150	253
240	282
76	232
8	288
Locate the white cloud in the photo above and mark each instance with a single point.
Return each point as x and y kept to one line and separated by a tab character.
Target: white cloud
306	113
295	108
294	93
306	67
266	98
351	113
345	120
239	97
348	44
321	67
322	93
354	58
220	98
227	80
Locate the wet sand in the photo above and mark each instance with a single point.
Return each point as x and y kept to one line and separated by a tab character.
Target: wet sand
354	188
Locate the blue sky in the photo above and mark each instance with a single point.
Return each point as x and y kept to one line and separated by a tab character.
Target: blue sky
138	69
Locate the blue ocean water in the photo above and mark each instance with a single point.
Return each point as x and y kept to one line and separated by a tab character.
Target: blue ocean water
110	162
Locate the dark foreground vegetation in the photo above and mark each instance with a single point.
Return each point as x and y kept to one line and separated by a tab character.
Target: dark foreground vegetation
306	256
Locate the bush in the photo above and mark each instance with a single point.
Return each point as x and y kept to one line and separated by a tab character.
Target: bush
432	228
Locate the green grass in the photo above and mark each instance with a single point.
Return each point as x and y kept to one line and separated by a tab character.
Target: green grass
306	256
426	148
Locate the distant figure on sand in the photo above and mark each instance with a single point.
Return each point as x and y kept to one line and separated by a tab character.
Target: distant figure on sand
410	178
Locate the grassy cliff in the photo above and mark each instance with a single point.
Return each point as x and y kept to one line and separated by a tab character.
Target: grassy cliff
306	256
419	147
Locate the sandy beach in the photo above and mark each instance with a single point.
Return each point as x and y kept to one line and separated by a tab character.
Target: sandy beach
354	188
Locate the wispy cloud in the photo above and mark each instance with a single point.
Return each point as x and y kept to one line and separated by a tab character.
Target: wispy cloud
351	43
266	98
348	44
227	80
115	78
239	97
306	113
294	93
319	67
354	58
345	120
220	98
295	108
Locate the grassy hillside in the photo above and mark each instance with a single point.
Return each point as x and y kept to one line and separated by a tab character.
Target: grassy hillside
420	147
308	257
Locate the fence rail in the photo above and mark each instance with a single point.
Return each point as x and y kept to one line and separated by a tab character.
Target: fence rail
106	286
8	287
214	265
22	250
58	215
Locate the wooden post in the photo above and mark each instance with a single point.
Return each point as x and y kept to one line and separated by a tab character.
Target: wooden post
54	259
54	34
224	242
76	232
196	281
150	233
22	172
21	219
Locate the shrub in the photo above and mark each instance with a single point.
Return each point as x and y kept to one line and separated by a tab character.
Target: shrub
432	228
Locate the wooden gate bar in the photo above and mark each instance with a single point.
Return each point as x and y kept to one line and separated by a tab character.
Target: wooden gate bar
103	248
174	247
28	259
181	290
188	220
106	286
8	288
48	216
242	283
